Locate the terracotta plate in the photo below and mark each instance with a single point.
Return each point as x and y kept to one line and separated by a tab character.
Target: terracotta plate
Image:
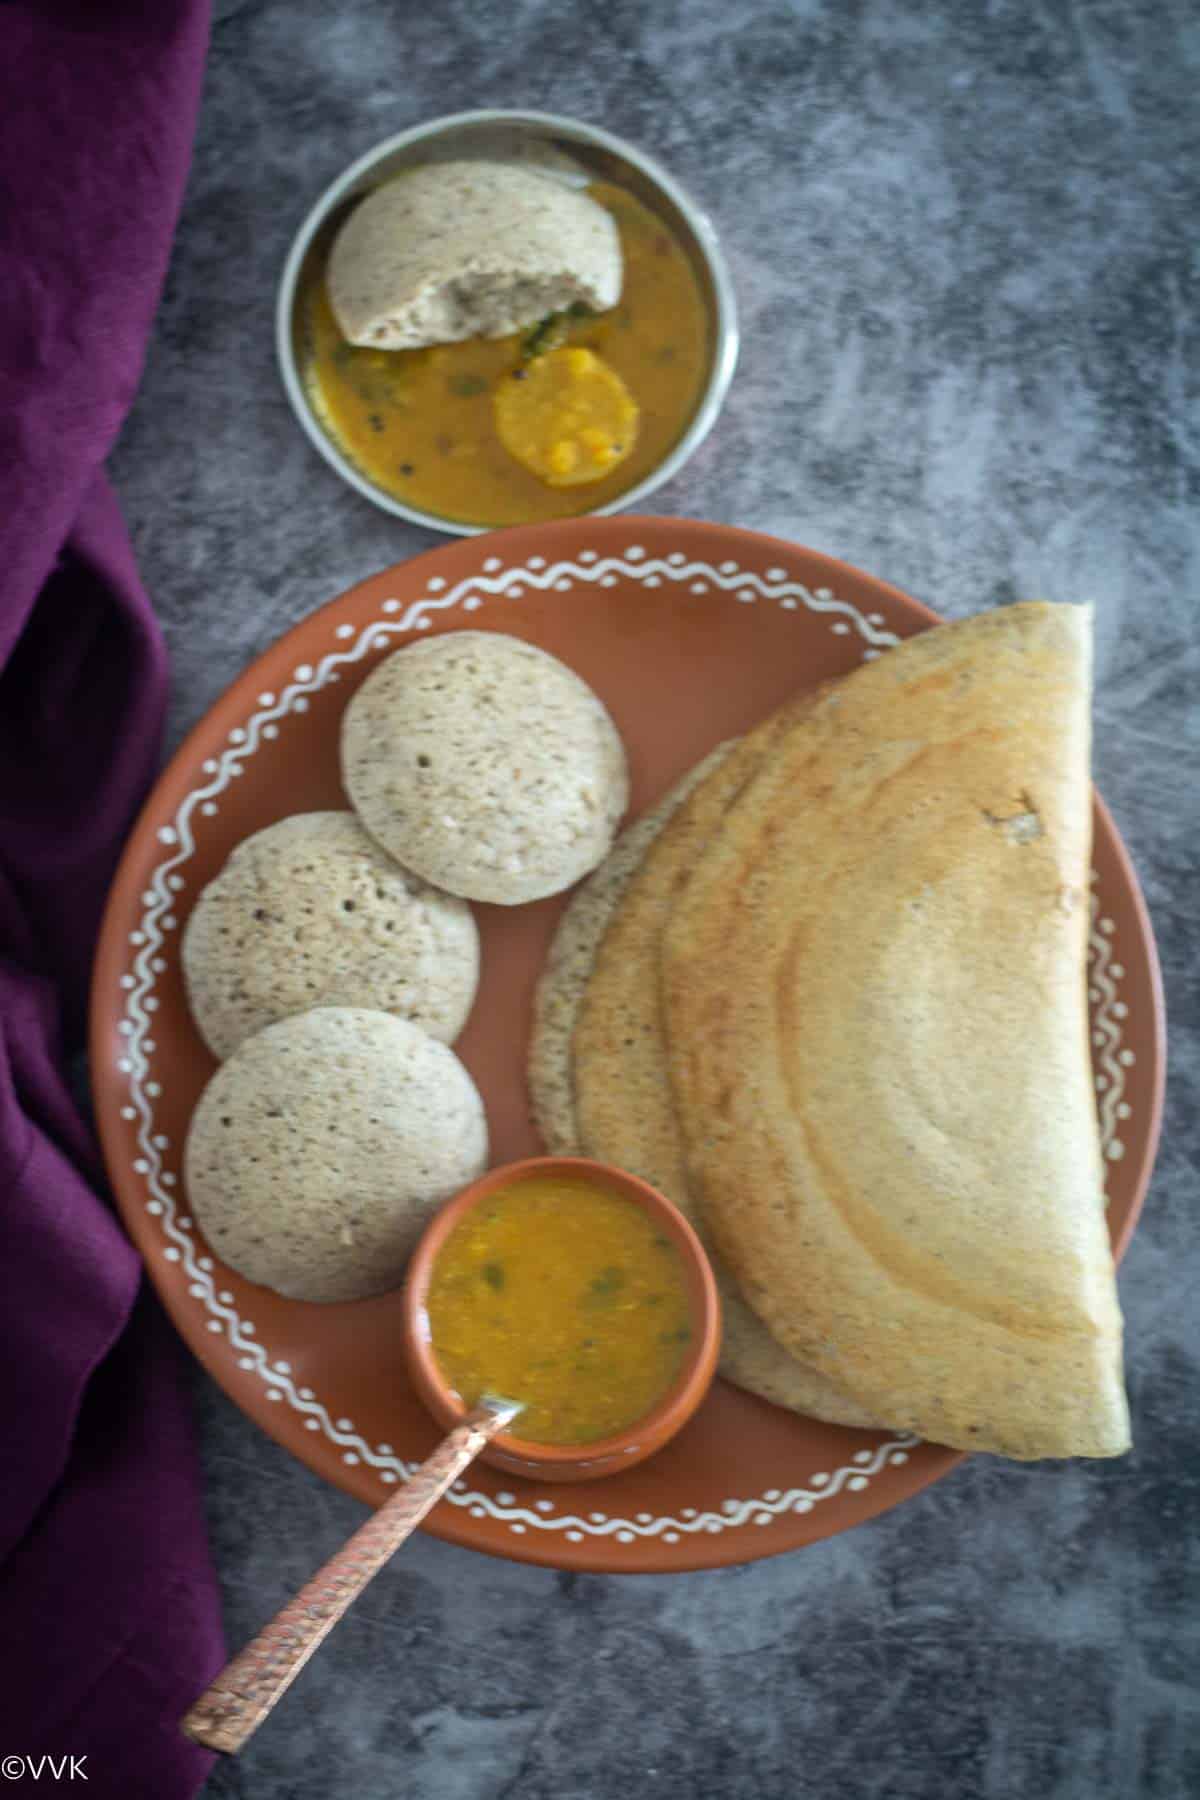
690	633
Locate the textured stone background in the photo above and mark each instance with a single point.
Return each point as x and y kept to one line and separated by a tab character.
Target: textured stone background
963	243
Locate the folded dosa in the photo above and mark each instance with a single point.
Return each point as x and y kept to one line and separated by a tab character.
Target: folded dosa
874	993
571	958
623	1108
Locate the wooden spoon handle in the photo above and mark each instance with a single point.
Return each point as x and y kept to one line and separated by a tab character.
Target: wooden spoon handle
248	1687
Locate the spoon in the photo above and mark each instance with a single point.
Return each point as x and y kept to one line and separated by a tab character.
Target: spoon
247	1688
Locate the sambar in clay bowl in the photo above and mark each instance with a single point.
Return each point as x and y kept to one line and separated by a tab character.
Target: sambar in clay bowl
576	1289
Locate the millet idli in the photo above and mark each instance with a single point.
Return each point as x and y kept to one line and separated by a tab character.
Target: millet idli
485	765
455	250
311	912
319	1150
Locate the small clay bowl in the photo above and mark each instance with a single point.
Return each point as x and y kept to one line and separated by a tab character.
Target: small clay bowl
604	1456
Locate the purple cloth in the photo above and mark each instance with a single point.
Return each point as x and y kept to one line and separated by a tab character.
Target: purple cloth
109	1621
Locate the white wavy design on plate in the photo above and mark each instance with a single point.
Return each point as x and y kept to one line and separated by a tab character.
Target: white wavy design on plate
1107	1012
150	945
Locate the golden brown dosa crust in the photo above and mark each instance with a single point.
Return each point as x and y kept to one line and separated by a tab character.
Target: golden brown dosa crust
623	1108
570	959
874	989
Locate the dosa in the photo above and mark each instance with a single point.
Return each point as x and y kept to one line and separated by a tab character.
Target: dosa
874	995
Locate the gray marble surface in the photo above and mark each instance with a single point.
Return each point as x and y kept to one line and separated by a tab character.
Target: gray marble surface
963	239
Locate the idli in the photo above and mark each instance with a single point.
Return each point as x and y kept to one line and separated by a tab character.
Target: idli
319	1150
485	765
310	912
469	249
